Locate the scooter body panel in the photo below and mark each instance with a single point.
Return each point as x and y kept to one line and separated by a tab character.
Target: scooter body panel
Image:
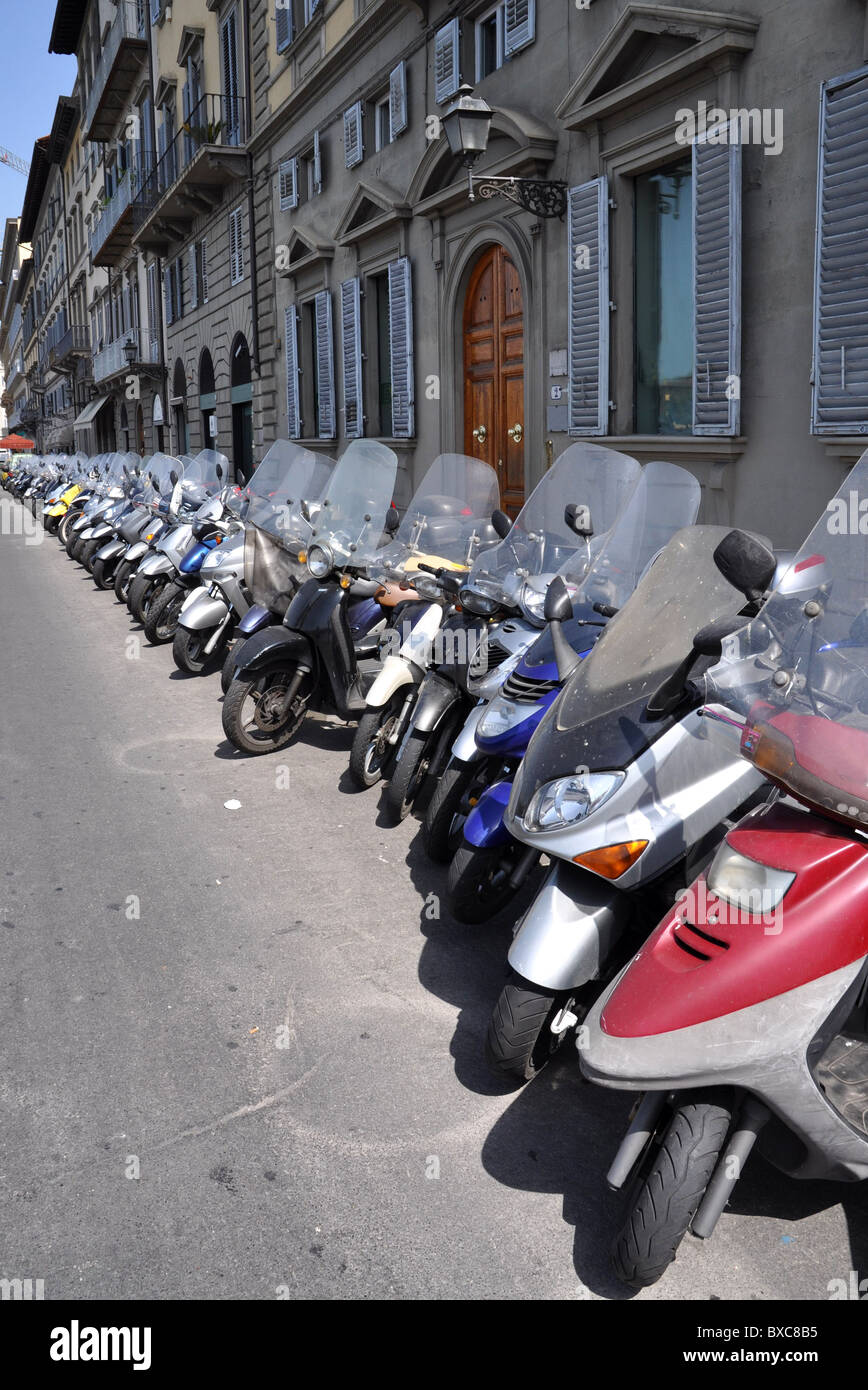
256	618
202	611
319	614
465	748
437	697
568	932
111	550
672	795
270	646
484	826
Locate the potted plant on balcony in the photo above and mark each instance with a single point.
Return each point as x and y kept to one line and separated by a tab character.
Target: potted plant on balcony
206	133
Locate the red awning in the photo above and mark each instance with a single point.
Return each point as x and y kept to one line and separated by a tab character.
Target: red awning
17	444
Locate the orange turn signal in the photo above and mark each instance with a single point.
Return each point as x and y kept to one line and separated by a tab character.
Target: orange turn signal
613	860
302	557
345	581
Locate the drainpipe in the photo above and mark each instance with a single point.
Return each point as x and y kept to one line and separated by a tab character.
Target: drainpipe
158	259
251	214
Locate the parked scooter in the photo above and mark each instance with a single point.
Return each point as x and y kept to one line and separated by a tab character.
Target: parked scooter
140	540
132	517
212	522
744	1018
488	866
67	487
108	490
312	660
160	566
582	492
448	522
622	793
251	581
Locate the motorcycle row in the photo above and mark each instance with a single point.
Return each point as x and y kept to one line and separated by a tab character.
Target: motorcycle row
655	730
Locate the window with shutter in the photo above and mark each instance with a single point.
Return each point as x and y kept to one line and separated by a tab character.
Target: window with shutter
397	100
353	143
840	368
231	104
293	412
156	6
325	366
167	296
351	356
716	285
194	286
588	339
203	267
288	184
401	348
283	24
519	25
447	66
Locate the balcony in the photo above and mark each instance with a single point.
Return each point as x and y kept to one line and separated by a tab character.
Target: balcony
205	156
112	360
126	49
74	343
31	411
111	236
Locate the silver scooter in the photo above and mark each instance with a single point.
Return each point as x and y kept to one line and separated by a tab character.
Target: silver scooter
622	791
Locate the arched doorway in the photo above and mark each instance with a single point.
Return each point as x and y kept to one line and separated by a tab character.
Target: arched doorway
207	400
179	407
493	345
242	408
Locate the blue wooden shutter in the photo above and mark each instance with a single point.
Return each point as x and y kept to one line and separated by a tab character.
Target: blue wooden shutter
293	410
519	26
325	366
447	65
716	285
351	357
588	337
397	100
354	148
283	24
288	183
401	348
840	367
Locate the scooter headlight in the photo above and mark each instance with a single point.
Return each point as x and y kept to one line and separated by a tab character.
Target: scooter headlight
569	800
752	887
532	603
320	561
501	716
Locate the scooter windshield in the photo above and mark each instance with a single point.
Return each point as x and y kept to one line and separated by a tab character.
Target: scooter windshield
353	512
448	520
289	480
541	540
158	479
664	500
600	720
793	683
205	474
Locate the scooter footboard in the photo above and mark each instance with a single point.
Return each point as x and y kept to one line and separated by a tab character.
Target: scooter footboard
569	930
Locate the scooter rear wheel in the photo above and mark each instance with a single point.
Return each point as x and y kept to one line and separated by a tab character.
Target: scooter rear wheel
520	1041
680	1171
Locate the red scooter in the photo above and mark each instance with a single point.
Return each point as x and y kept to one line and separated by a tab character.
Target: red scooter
743	1019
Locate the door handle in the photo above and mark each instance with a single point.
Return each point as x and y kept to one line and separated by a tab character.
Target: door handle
516	433
480	433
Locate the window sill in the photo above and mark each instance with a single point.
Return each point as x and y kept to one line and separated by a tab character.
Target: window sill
678	447
844	448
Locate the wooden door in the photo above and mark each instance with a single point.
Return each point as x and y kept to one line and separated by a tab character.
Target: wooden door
494	372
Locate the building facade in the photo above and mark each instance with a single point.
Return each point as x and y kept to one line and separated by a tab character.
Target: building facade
282	243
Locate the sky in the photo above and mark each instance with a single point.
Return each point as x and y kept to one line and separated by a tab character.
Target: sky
32	79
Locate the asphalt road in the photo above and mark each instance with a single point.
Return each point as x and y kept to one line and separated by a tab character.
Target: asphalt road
239	1055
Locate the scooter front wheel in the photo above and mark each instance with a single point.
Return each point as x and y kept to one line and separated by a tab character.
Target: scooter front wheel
371	751
520	1041
102	579
444	819
161	620
478	882
408	775
229	663
144	592
123	579
188	651
253	717
681	1170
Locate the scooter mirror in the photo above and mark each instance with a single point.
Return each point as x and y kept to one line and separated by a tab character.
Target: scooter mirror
451	584
708	641
747	562
174	477
393	521
578	517
219	470
501	523
558	607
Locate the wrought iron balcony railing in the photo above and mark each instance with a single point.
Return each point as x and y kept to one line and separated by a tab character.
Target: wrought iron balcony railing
216	123
74	343
124	50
